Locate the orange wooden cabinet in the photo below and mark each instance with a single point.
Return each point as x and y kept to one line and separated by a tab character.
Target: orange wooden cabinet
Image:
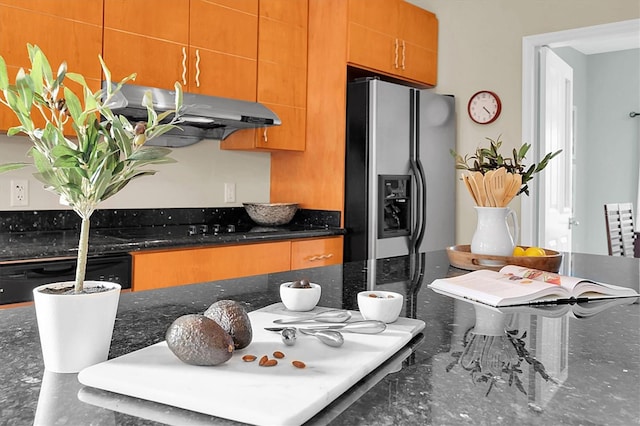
66	30
223	48
395	38
281	77
209	46
148	37
341	33
316	252
168	268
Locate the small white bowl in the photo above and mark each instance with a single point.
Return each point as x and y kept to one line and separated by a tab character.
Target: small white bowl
300	299
385	306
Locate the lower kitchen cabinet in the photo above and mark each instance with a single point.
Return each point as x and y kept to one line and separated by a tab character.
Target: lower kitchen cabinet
316	252
168	268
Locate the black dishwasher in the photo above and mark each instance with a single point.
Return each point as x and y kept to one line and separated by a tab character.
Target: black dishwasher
18	279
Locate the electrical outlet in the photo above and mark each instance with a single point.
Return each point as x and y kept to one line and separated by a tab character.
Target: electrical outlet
229	192
19	192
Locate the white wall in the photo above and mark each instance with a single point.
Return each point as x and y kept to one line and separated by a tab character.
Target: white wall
196	180
613	136
480	47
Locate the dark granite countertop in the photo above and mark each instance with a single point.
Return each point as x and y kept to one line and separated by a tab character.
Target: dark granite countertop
593	364
53	244
53	234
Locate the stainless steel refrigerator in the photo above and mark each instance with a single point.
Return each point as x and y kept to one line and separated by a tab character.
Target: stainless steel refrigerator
399	174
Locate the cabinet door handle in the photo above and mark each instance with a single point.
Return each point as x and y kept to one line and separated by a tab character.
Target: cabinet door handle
320	257
404	48
395	60
184	66
264	136
197	67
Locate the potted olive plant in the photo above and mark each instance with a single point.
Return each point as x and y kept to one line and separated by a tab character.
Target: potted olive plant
106	153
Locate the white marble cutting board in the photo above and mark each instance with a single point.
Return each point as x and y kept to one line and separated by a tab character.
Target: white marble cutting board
246	392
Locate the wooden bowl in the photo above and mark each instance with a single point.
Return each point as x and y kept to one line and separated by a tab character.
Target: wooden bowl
461	257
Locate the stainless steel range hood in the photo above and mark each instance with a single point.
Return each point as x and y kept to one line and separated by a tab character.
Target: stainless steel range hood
205	117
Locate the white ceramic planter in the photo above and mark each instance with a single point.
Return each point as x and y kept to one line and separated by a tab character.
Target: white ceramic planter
75	329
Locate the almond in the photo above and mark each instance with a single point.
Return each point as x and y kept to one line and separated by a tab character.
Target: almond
278	354
263	360
298	364
270	363
249	358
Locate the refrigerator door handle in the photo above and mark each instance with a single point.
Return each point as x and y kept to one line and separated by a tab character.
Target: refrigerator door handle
420	195
420	205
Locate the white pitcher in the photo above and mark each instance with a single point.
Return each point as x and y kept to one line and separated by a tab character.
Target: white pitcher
493	235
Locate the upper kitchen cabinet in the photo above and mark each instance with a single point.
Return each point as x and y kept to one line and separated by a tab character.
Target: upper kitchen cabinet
66	30
395	38
148	37
210	46
282	77
223	46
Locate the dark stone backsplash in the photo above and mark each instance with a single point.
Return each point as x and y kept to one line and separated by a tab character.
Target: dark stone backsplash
59	220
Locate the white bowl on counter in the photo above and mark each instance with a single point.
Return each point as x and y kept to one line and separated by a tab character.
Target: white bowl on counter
382	306
300	299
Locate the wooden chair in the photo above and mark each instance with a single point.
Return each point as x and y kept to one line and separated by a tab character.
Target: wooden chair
620	229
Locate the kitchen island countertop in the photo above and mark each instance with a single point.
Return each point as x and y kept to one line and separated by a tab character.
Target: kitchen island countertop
587	369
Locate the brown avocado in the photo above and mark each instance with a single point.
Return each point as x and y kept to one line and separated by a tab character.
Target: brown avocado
233	318
198	340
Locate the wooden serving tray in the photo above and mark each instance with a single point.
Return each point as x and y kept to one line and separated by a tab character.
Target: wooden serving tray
461	257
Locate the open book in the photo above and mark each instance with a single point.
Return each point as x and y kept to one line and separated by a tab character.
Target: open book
515	285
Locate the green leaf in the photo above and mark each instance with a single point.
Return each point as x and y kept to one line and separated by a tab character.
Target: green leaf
62	71
523	151
164	115
66	162
4	76
64	150
40	161
11	166
90	102
24	84
150	153
46	67
160	130
20	111
73	105
179	97
78	78
37	71
107	75
15	130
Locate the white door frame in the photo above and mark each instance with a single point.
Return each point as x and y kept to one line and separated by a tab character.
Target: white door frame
530	67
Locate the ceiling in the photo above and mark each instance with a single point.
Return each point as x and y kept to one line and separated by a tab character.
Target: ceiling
610	43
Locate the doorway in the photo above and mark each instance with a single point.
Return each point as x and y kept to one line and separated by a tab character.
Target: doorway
556	129
534	208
